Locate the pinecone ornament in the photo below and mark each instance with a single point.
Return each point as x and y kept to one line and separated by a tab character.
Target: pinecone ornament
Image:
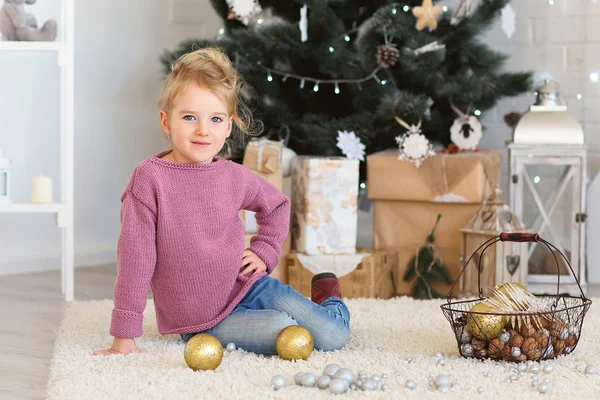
387	56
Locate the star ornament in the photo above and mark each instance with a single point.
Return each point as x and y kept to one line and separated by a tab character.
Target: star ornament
426	15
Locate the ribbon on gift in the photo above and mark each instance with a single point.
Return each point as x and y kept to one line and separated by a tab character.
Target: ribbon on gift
271	162
339	264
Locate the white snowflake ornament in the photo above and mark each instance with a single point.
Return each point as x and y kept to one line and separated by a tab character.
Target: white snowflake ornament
509	21
244	9
414	147
351	145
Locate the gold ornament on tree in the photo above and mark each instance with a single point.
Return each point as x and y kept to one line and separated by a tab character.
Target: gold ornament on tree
203	352
294	343
426	15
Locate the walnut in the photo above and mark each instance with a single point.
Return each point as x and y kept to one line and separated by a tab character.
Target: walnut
516	340
557	327
542	339
536	356
505	353
495	348
478	344
571	341
545	322
559	347
527	331
530	347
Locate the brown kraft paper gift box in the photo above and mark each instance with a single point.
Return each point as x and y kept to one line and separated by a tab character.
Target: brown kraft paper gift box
276	179
404	210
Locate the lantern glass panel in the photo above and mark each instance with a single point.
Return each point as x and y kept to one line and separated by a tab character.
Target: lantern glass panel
548	209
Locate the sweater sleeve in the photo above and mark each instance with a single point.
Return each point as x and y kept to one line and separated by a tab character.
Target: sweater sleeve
136	259
272	216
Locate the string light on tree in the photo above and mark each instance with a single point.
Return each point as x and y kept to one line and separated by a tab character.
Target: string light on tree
270	77
331	49
316	87
406	8
594	77
337	88
579	96
477	112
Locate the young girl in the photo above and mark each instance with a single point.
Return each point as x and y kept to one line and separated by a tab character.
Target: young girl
182	237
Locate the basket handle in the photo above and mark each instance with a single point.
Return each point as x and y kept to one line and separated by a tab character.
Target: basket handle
517	237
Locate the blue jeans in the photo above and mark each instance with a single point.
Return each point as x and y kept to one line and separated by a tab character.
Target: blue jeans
268	307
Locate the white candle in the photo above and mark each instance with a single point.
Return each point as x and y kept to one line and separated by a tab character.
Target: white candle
41	190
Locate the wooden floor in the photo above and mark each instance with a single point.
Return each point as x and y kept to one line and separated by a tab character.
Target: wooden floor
31	309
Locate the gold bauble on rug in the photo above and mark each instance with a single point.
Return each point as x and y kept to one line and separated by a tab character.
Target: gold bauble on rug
203	352
484	326
294	343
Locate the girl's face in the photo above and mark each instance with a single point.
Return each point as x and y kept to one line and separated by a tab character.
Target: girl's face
198	125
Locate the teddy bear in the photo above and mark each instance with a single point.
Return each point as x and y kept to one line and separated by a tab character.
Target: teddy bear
16	24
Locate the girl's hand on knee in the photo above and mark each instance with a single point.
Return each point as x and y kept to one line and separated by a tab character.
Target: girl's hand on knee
252	262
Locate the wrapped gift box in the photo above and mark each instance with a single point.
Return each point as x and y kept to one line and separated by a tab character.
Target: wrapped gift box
263	155
324	204
464	177
371	277
407	200
280	271
247	217
404	226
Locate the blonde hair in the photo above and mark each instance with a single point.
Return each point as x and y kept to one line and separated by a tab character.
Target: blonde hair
211	68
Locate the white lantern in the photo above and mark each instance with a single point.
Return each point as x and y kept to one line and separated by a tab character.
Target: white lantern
4	179
548	160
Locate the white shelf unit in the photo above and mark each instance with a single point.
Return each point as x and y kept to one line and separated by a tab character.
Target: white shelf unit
63	210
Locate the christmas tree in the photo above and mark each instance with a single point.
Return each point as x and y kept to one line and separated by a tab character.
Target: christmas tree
321	67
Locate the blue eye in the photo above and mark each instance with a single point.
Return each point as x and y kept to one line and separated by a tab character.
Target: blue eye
189	118
216	119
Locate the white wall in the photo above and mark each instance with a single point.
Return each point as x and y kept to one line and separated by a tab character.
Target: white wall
118	78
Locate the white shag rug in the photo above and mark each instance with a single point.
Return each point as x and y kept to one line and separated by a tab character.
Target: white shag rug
384	334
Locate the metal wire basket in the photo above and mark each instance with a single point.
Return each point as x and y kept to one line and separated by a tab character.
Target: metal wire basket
553	330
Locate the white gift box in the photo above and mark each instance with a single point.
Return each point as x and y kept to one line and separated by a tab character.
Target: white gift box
324	204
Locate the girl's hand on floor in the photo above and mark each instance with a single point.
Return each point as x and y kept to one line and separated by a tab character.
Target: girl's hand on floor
252	262
119	346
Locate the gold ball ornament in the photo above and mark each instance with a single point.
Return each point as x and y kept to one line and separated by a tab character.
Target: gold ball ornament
203	352
294	342
484	326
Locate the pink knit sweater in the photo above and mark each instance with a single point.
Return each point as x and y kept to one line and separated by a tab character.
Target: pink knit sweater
181	236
